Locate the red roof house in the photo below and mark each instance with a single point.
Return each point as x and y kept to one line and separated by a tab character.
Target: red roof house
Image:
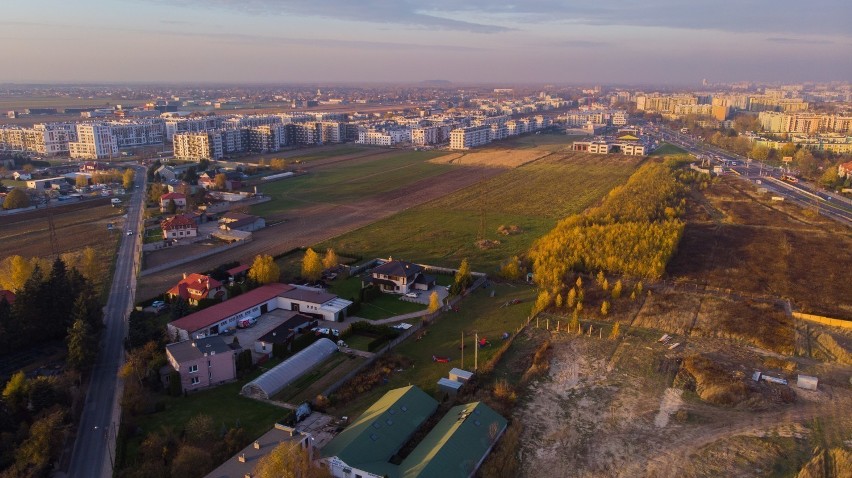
179	227
178	198
195	287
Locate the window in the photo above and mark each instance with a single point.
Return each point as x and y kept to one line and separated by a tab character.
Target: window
195	380
193	368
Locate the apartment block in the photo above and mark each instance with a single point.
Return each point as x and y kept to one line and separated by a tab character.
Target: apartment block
94	141
470	137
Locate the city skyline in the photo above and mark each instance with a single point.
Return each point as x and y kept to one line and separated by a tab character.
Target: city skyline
266	41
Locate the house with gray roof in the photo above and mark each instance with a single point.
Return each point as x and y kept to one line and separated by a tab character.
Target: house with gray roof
400	277
204	362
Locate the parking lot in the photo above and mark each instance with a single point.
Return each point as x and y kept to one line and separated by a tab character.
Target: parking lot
265	323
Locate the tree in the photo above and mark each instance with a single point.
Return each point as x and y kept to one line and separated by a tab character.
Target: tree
605	308
434	302
191	462
571	299
81	181
34	456
81	345
463	278
89	265
127	178
171	206
200	430
511	270
330	260
220	181
203	164
616	290
311	265
16	391
191	175
289	460
278	164
15	199
14	273
759	152
264	270
616	330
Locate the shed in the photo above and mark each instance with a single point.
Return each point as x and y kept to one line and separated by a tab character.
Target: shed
807	382
289	370
460	375
451	387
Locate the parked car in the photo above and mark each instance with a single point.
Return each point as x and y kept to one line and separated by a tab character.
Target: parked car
412	295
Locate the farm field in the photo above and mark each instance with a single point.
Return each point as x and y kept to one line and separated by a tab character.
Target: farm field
534	197
349	182
492	158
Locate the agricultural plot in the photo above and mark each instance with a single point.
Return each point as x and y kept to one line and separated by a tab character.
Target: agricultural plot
349	182
532	197
492	158
760	324
670	312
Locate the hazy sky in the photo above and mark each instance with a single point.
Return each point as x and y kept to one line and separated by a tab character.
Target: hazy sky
560	41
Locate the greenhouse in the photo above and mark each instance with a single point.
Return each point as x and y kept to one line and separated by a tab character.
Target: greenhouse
289	370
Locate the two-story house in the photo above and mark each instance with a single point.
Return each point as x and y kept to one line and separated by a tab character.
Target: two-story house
400	277
203	363
179	227
195	287
178	198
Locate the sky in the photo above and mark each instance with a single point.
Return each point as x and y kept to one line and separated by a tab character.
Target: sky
666	42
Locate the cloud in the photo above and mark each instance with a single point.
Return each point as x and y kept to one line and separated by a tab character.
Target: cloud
400	12
799	41
584	44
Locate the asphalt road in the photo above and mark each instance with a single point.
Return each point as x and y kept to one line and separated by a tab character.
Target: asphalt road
94	448
804	194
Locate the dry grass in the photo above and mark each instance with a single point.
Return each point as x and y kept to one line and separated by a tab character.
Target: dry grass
745	456
757	323
493	158
713	383
829	346
833	463
541	362
670	312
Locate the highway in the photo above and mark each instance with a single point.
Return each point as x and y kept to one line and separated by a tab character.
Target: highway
828	204
94	448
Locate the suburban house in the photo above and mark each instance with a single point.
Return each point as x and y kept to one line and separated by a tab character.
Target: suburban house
203	362
844	169
284	333
8	296
93	167
400	277
178	198
195	287
222	317
455	447
235	221
179	227
205	181
21	176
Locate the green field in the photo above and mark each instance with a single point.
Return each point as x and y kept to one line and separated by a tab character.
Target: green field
478	313
666	149
534	197
348	183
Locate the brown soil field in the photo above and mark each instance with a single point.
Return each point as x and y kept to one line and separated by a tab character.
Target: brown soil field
780	251
669	311
761	324
493	158
315	223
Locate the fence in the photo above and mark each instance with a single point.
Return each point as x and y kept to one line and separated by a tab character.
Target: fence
819	319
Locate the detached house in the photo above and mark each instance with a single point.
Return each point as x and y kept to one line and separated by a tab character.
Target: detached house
179	227
195	287
178	198
203	362
400	277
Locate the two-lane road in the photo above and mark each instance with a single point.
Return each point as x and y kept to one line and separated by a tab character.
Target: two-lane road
94	448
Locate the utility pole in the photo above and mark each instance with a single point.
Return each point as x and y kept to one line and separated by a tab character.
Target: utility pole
476	353
462	349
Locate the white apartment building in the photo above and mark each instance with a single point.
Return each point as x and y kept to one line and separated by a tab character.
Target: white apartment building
267	138
619	118
189	125
94	141
388	137
809	123
330	132
138	133
42	138
470	137
197	146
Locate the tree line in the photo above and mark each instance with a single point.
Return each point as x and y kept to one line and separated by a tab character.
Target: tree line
635	231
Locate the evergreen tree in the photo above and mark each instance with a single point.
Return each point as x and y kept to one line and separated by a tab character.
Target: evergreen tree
81	341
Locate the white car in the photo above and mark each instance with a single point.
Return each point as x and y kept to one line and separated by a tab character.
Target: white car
129	233
412	295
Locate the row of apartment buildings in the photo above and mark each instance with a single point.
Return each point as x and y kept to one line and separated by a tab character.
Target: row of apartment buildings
717	106
97	140
810	123
485	131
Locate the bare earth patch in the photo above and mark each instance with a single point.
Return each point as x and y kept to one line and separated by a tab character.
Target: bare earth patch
493	158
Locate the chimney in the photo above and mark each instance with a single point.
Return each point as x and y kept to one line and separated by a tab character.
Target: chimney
184	275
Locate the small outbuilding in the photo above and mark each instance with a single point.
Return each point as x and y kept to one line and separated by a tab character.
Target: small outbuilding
450	387
807	382
460	375
289	370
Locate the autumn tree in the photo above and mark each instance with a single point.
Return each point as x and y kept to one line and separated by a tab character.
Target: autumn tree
89	264
15	199
434	302
220	181
264	270
192	462
36	454
16	391
278	164
571	299
200	430
81	181
616	290
511	270
311	265
127	178
289	460
605	308
14	272
330	260
463	278
616	330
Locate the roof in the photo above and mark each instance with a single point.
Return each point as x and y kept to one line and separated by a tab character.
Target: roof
211	315
234	468
195	349
289	370
306	294
283	332
235	216
425	279
195	286
181	221
398	269
457	444
445	382
370	441
238	270
461	373
173	196
240	222
8	295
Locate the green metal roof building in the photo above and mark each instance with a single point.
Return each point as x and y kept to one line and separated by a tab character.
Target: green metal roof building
455	447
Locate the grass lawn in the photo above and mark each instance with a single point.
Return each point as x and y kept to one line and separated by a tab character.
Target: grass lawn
666	149
387	305
345	288
534	196
153	235
359	342
11	183
477	313
350	182
223	403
